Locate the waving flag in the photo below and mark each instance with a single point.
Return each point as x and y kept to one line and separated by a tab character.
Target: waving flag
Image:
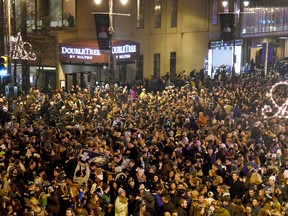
90	156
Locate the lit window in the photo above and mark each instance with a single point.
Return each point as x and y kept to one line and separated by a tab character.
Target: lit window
158	9
62	13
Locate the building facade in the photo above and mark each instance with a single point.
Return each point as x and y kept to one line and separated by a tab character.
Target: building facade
173	36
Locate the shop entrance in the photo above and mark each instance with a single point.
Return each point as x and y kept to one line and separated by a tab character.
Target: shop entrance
49	80
82	79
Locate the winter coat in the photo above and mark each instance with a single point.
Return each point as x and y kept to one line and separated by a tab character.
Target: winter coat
221	212
121	207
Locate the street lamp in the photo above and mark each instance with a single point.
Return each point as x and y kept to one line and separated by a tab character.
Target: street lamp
246	3
111	30
224	3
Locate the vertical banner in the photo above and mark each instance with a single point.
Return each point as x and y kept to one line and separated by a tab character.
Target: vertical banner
227	28
215	12
270	52
263	53
102	27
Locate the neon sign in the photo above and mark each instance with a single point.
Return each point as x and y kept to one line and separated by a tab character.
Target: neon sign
21	50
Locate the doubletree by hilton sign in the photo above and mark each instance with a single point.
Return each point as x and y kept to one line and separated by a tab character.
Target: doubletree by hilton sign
88	51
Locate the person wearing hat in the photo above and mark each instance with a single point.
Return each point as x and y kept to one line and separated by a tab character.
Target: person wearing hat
80	211
142	209
271	186
143	94
121	203
40	195
147	197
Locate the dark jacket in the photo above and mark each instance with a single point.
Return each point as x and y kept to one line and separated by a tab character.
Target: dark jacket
181	211
168	207
236	189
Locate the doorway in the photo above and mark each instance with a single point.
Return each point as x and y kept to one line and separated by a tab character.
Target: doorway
49	80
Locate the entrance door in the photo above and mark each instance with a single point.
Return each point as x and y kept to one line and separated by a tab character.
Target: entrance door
82	79
49	80
71	80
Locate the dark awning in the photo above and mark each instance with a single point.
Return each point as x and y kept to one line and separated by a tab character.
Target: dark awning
87	51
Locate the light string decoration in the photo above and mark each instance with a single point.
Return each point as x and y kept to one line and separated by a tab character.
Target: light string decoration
282	110
21	50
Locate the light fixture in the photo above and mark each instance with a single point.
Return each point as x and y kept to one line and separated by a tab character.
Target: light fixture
98	2
224	3
124	2
246	3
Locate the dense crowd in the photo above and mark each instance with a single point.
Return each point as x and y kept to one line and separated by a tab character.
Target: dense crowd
198	146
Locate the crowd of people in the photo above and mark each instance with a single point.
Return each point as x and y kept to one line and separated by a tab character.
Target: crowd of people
201	147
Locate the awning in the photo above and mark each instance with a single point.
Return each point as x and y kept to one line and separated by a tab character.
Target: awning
87	51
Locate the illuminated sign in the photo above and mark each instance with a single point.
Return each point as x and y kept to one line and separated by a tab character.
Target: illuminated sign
79	51
21	50
124	49
121	50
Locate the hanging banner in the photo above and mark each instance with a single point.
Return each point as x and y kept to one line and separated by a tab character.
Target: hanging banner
102	27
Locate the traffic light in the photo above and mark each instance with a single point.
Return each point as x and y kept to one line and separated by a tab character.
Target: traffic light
3	65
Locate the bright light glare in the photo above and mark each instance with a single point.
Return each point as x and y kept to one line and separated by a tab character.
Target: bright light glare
124	2
98	2
246	3
224	3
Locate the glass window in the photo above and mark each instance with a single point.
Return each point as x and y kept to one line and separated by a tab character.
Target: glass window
157	65
172	64
62	13
158	9
264	20
30	15
139	68
174	13
285	22
140	13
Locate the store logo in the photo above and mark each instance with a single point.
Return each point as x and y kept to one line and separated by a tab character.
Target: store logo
124	49
79	51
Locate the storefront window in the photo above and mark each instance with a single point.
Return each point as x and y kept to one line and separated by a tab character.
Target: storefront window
158	9
174	13
140	13
157	65
62	13
265	20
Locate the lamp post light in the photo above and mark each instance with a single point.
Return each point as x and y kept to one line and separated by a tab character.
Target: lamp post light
111	31
236	12
9	50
